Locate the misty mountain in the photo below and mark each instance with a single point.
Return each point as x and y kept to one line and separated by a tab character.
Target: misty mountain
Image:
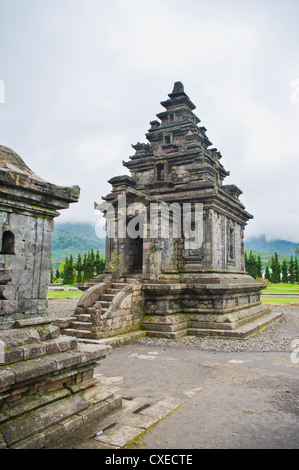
281	247
74	238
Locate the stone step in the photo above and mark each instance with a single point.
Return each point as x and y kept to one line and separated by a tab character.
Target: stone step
256	312
24	426
165	327
35	369
83	317
39	349
59	435
107	297
102	303
29	404
89	310
168	334
119	285
112	291
242	332
114	340
79	333
78	325
31	322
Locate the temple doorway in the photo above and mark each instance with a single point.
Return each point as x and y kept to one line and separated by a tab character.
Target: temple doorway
137	255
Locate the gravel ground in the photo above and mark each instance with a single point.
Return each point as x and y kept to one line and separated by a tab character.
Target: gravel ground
62	308
276	337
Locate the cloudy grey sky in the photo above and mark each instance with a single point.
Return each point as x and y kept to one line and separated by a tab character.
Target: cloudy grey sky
83	78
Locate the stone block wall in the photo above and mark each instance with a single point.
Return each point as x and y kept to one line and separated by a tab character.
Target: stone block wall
25	265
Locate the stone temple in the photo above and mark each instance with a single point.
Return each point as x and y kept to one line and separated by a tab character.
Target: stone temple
161	282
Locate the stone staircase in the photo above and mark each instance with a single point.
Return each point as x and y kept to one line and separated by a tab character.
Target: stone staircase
81	325
47	386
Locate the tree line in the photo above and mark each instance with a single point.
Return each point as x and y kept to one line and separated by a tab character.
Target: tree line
286	272
81	269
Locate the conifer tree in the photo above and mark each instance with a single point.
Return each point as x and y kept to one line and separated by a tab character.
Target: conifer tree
251	267
292	277
68	271
90	265
267	274
259	267
296	269
85	273
79	268
72	277
284	271
275	268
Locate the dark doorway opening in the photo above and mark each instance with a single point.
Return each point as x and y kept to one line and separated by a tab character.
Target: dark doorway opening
160	172
137	251
8	243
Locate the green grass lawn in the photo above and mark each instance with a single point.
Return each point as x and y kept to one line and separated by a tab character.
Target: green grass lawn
281	288
271	289
279	300
63	294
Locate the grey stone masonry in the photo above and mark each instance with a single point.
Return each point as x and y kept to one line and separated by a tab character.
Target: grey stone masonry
28	206
47	388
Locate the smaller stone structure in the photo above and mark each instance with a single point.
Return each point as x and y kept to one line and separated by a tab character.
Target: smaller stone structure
47	384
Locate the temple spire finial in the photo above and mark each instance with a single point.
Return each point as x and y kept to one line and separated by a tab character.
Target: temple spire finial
178	87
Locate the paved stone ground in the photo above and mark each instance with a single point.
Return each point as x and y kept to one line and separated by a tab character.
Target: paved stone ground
203	393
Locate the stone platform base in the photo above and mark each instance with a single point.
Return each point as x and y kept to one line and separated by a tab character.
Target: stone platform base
221	306
47	388
159	328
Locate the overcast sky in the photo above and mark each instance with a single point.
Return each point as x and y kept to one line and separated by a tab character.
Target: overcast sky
83	79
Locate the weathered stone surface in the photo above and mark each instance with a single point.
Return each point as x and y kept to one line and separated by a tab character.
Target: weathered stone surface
32	369
47	332
2	442
30	404
34	350
96	394
34	442
61	344
100	410
34	422
13	338
118	438
6	378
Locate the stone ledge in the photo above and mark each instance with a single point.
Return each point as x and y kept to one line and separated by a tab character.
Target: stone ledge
33	422
114	340
239	333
